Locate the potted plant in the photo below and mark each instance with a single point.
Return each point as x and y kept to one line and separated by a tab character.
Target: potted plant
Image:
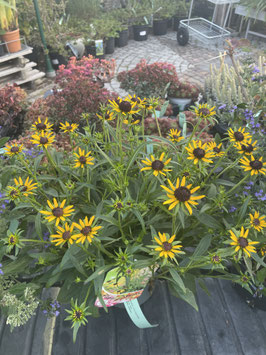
161	13
122	15
180	12
141	16
182	94
9	25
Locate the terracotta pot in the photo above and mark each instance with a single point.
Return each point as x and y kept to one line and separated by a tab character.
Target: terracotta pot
12	37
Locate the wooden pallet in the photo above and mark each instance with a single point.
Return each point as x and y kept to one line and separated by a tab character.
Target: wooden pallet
15	69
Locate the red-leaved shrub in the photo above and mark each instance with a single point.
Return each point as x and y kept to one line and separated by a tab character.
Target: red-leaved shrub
79	89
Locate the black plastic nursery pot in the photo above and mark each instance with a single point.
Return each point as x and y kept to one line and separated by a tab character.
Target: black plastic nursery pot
57	60
140	32
170	22
110	45
256	300
122	40
176	22
2	49
160	27
91	50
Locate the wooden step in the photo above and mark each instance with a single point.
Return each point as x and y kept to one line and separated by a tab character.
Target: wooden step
24	50
33	75
8	70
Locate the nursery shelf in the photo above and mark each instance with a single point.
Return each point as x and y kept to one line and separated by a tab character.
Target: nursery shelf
224	325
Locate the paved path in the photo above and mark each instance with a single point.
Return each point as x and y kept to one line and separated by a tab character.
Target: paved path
192	62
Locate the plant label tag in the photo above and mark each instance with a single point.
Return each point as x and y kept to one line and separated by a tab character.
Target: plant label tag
142	33
119	289
99	47
55	61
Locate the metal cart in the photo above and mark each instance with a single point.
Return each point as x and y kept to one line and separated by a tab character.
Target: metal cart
204	30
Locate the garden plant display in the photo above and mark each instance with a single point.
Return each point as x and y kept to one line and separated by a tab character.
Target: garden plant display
187	210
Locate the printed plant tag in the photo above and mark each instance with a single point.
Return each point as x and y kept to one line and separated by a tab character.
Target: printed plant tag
142	33
99	47
116	289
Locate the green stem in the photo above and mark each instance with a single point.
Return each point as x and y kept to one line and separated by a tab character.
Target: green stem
157	123
35	241
236	186
50	159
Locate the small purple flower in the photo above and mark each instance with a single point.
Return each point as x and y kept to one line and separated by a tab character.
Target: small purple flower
232	209
245	193
255	70
247	187
44	311
222	107
57	313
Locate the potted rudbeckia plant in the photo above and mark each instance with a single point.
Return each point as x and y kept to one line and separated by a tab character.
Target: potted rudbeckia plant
120	204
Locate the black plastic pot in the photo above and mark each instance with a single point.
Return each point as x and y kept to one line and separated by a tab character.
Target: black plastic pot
122	40
140	32
57	60
257	300
170	22
160	27
110	45
91	50
176	22
221	129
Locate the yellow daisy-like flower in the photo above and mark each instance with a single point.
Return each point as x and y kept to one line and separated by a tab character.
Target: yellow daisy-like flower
141	103
13	239
242	243
13	149
133	120
217	149
64	235
257	222
175	135
157	165
124	107
106	116
205	111
67	127
43	139
40	126
83	159
199	152
181	194
246	147
255	166
26	187
87	232
57	212
238	136
168	247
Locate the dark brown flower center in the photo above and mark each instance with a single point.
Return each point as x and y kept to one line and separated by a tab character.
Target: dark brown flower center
119	205
216	259
86	230
82	159
186	174
41	126
182	194
256	222
78	314
107	116
245	279
125	106
13	193
216	150
239	136
204	111
157	165
12	240
58	212
14	149
43	140
167	246
23	188
247	148
256	164
199	153
66	235
243	242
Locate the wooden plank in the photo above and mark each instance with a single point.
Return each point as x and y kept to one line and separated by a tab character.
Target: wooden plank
246	322
189	328
13	70
25	50
35	74
219	327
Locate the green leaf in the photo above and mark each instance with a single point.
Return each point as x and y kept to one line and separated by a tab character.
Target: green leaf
243	208
75	261
212	192
139	217
3	141
188	296
181	218
38	226
13	226
225	182
100	271
177	279
207	220
202	246
204	287
258	259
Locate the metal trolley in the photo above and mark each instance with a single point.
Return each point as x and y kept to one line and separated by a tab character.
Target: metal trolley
202	29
